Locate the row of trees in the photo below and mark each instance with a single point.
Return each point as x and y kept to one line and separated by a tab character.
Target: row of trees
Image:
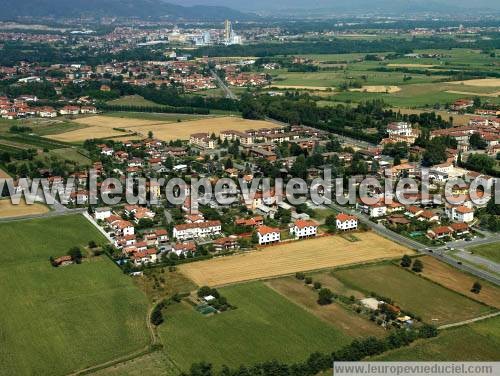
318	362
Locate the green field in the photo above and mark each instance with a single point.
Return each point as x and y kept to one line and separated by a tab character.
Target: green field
57	320
433	303
133	100
476	342
489	251
265	326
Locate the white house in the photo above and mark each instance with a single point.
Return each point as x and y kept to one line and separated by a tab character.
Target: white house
376	210
69	110
268	235
346	222
304	229
460	213
197	230
102	213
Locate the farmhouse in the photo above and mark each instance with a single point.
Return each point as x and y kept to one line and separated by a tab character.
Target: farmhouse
346	222
268	235
303	229
197	230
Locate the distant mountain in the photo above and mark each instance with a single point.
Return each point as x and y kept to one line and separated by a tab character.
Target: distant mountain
116	8
349	6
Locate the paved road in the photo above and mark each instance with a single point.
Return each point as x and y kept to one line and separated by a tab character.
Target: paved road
478	260
223	86
436	252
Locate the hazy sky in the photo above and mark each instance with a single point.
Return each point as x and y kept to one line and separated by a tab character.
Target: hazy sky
344	4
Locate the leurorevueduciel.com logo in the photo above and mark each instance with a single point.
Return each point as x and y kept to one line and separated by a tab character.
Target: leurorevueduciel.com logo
227	191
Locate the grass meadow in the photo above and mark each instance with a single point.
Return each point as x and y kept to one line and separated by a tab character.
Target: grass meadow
56	320
489	251
432	302
265	326
475	342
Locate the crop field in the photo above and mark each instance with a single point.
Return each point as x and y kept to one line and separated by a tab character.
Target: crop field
133	100
479	341
433	303
265	326
8	210
283	259
346	321
489	251
111	127
57	320
456	280
458	119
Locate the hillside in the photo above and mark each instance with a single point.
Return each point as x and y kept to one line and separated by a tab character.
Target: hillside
115	8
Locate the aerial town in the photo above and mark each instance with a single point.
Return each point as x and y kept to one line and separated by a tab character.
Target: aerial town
222	190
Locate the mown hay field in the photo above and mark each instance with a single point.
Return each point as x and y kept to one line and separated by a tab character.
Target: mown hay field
292	257
456	280
102	126
8	210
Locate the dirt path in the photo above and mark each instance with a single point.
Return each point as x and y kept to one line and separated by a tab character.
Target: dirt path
466	322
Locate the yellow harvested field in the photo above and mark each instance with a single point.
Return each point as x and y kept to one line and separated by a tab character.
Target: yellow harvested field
483	82
314	254
494	94
458	119
378	89
458	281
411	65
126	128
8	210
300	87
212	125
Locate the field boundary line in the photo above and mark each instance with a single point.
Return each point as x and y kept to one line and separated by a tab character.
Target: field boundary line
467	322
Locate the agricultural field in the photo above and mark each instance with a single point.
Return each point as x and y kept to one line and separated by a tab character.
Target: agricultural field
133	100
335	314
460	282
102	126
8	210
432	302
264	326
67	318
479	341
283	259
489	251
412	88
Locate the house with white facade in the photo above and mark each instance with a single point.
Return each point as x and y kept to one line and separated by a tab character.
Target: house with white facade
268	235
302	229
346	222
460	213
102	213
188	231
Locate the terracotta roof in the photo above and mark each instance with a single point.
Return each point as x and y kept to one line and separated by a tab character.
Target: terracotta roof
342	217
264	230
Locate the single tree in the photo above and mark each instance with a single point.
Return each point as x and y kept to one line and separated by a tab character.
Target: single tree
325	296
418	266
406	261
476	288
